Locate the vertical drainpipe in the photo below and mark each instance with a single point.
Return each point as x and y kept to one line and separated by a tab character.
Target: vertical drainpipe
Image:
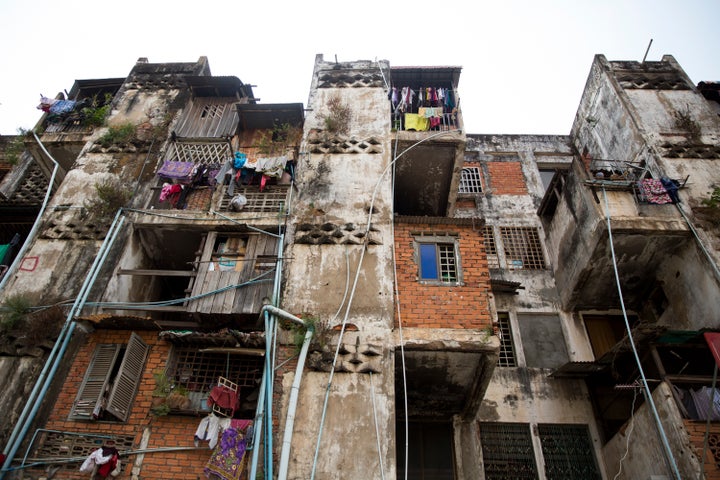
54	359
18	258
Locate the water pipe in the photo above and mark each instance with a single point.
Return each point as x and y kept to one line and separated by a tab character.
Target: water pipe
31	235
294	389
43	383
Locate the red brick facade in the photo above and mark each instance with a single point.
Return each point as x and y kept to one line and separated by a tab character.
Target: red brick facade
166	431
427	305
696	430
506	178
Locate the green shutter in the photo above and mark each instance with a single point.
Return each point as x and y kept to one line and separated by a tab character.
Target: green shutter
95	381
128	378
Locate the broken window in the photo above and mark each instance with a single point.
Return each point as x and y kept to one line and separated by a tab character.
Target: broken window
111	381
543	342
506	356
430	451
437	258
470	181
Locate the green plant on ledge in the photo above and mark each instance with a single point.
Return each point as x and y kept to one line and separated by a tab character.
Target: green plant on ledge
111	196
119	134
338	120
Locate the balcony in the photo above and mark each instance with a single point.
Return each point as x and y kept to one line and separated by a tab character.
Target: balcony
646	233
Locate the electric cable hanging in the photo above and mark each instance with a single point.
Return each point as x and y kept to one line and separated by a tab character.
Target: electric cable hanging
354	288
648	394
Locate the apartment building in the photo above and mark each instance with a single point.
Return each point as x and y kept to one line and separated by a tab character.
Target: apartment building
361	288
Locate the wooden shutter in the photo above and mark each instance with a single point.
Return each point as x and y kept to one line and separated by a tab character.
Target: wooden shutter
128	378
95	382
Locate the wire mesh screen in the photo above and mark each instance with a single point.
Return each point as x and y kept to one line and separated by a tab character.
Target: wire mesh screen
568	452
508	451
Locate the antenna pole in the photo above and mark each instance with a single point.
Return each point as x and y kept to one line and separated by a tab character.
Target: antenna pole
646	51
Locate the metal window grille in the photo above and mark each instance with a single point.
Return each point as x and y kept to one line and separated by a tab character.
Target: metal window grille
523	249
200	152
199	371
76	445
470	181
212	111
508	451
446	259
271	200
490	247
506	357
568	452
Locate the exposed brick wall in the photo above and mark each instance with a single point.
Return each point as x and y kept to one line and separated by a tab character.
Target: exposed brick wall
506	178
443	306
167	431
696	430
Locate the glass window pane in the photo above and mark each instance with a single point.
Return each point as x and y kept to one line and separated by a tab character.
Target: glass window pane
428	262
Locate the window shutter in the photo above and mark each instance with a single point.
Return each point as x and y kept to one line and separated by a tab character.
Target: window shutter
128	378
95	381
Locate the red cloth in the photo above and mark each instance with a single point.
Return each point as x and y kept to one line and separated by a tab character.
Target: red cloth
223	397
105	469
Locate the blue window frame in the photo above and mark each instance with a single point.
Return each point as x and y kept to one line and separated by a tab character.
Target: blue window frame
437	259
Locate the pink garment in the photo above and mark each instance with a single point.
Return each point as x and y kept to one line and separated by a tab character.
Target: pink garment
168	190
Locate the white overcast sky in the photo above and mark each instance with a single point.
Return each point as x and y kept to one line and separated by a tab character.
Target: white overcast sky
524	62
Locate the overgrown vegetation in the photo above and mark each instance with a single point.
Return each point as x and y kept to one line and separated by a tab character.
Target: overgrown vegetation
94	114
714	200
16	146
684	121
111	195
14	310
320	338
338	120
124	133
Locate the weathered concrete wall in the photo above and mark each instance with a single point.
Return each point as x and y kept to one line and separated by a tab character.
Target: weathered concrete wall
16	383
335	192
641	440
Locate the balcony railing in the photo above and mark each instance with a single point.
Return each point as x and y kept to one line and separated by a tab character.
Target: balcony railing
425	119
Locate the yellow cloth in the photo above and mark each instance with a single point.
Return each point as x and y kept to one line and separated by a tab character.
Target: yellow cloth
428	112
413	121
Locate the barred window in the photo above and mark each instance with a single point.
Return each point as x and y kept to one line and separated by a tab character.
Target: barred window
507	451
198	371
470	180
437	258
490	247
506	357
568	452
523	249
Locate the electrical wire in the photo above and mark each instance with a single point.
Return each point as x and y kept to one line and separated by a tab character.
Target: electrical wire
648	394
377	428
354	287
630	429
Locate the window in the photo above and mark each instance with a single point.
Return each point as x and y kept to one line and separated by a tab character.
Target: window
604	331
543	342
490	247
566	451
506	357
111	381
430	451
516	248
522	248
507	451
197	369
437	258
470	181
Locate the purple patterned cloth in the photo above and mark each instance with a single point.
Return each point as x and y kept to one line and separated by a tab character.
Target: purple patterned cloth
177	170
654	191
228	460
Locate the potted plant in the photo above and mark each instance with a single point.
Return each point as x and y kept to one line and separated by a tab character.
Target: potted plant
178	398
163	387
